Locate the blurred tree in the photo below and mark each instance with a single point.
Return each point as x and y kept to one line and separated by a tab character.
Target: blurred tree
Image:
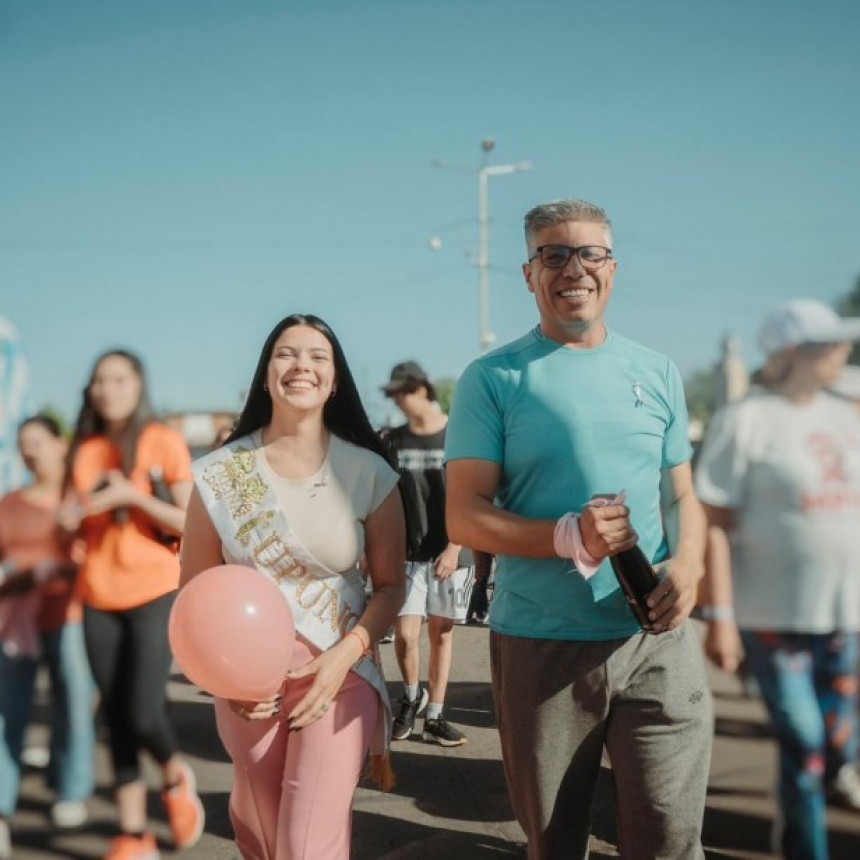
445	392
849	306
699	391
53	413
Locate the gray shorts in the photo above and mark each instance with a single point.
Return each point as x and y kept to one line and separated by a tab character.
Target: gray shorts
444	598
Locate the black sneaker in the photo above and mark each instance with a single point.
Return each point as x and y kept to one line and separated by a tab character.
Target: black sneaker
440	731
407	711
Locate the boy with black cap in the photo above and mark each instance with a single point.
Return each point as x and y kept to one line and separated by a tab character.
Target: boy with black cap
439	573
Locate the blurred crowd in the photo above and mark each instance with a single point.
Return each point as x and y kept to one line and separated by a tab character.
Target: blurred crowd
90	528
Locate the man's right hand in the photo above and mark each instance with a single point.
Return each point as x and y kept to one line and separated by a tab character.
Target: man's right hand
606	529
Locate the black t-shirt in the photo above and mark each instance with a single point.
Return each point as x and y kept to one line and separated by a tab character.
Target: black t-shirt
420	460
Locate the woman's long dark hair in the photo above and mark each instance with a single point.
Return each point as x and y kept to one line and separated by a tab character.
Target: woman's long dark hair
343	413
90	424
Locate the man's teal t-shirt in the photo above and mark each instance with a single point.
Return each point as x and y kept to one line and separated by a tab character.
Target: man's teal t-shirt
566	424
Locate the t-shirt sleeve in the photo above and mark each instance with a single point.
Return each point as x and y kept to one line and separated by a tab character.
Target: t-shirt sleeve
722	462
676	443
175	458
476	425
384	480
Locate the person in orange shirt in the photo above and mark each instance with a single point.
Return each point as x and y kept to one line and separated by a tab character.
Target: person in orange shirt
129	482
40	619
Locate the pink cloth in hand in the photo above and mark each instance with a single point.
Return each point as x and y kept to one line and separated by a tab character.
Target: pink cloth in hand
567	542
567	538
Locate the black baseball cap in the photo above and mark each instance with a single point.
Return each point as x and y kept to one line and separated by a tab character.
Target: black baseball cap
407	374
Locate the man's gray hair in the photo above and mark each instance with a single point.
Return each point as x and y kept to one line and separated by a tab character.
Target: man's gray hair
559	212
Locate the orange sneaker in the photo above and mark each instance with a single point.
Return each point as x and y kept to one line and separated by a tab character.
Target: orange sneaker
128	847
184	810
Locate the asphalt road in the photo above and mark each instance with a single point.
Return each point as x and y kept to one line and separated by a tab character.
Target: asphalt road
449	804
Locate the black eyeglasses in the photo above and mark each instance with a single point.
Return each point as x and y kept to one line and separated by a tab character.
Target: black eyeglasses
591	257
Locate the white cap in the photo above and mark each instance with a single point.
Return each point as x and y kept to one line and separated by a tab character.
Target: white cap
805	321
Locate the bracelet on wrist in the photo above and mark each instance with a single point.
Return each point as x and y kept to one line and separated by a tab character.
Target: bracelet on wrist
717	613
365	649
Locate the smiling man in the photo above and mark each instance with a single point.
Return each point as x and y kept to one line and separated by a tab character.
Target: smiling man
539	428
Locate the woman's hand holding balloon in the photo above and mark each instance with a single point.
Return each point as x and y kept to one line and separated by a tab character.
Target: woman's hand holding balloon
232	633
265	710
329	670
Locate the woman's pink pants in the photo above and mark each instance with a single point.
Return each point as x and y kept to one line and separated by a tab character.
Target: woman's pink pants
292	791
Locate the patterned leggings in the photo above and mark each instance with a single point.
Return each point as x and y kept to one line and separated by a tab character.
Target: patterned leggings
809	685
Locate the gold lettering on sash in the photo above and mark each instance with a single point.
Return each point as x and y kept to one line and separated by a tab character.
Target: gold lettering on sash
303	586
261	521
329	610
275	556
235	482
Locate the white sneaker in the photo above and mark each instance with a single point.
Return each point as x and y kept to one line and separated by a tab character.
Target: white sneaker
35	757
844	790
5	840
69	813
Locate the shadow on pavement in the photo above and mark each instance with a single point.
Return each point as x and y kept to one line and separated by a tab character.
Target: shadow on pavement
742	729
194	722
439	789
404	840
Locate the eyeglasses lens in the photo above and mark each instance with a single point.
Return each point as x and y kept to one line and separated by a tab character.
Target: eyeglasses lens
558	256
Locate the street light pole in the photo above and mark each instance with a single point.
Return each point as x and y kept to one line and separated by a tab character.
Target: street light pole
485	336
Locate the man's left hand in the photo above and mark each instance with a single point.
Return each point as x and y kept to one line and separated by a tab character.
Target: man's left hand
673	599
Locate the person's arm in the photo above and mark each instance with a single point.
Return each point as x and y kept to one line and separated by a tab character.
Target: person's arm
201	550
120	492
722	640
447	560
473	519
385	549
674	598
201	545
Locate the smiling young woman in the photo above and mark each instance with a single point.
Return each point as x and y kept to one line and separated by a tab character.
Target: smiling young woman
302	492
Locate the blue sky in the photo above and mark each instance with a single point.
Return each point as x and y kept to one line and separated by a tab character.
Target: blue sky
179	175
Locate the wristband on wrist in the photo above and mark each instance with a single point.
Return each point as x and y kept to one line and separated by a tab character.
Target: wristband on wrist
567	543
717	613
365	649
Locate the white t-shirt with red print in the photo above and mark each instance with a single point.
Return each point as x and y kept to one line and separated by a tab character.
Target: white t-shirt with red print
792	473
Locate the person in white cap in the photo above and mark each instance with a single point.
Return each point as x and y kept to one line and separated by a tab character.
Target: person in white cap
779	475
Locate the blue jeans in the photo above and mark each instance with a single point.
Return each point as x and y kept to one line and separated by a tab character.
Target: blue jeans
70	771
809	685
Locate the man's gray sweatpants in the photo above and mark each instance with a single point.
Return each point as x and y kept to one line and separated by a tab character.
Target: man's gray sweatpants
646	699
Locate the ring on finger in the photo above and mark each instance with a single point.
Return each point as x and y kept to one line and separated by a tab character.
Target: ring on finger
325	707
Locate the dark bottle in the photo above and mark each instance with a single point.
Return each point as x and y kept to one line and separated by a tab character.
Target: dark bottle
637	579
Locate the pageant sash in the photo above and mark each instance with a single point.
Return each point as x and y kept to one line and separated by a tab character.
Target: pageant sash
254	532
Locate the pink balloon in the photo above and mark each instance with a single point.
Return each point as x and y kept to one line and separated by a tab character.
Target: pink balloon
231	631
